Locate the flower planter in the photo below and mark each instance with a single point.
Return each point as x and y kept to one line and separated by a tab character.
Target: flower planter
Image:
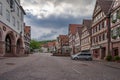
113	21
114	37
118	16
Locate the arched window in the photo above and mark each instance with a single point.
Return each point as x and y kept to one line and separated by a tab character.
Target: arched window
8	44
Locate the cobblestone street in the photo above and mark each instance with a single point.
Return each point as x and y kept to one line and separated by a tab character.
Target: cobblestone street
47	67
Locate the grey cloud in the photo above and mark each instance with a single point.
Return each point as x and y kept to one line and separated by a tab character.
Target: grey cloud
57	23
53	21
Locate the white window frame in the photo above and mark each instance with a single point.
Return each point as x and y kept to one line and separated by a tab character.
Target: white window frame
18	24
13	20
0	8
8	15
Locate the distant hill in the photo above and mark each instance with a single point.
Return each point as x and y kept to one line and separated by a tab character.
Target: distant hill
45	41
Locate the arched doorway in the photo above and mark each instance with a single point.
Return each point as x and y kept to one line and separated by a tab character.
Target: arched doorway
1	44
10	44
0	35
19	48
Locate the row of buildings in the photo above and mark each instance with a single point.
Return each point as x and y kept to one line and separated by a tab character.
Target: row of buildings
14	34
100	35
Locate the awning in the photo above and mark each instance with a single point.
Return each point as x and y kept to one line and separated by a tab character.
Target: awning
96	47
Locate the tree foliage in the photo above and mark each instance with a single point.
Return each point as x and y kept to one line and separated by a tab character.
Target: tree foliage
34	44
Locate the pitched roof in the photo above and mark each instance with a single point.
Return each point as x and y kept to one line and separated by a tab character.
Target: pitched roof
116	6
51	44
45	45
64	38
87	23
73	28
105	5
27	29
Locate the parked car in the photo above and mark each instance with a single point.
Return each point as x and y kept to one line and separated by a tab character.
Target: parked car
82	56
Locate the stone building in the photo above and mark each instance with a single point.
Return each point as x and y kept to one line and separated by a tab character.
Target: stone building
100	24
63	43
71	35
27	38
115	28
11	28
86	35
77	37
52	46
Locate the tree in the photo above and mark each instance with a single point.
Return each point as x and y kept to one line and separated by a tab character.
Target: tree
34	45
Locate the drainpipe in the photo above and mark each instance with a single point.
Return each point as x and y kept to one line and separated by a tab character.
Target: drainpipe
109	34
61	46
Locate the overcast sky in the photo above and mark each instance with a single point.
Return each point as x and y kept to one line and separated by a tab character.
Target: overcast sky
49	18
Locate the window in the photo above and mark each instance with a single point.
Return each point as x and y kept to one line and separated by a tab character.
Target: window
17	11
103	36
8	1
99	37
93	39
7	15
18	25
92	30
100	26
13	20
0	8
118	14
114	32
96	38
96	29
105	23
21	16
114	16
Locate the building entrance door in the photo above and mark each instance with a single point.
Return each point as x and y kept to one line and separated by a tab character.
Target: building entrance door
103	53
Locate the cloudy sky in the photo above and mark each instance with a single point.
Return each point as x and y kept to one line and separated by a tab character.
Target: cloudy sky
49	18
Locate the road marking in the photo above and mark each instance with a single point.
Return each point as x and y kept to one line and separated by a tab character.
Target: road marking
76	70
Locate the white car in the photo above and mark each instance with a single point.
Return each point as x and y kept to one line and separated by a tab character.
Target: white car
82	55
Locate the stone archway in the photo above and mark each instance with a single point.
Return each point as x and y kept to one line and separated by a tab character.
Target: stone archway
10	47
0	34
2	51
19	47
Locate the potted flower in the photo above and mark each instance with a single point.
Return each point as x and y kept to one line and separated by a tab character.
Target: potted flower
118	14
116	58
109	58
118	31
113	21
114	37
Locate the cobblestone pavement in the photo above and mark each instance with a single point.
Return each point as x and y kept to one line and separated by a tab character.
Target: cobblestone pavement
47	67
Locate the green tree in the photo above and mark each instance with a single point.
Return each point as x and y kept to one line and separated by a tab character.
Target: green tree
34	45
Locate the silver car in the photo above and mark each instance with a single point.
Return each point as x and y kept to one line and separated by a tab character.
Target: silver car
82	56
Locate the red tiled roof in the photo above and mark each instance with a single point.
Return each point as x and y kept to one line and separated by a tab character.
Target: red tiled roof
64	38
51	43
105	5
88	24
73	28
27	29
45	45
